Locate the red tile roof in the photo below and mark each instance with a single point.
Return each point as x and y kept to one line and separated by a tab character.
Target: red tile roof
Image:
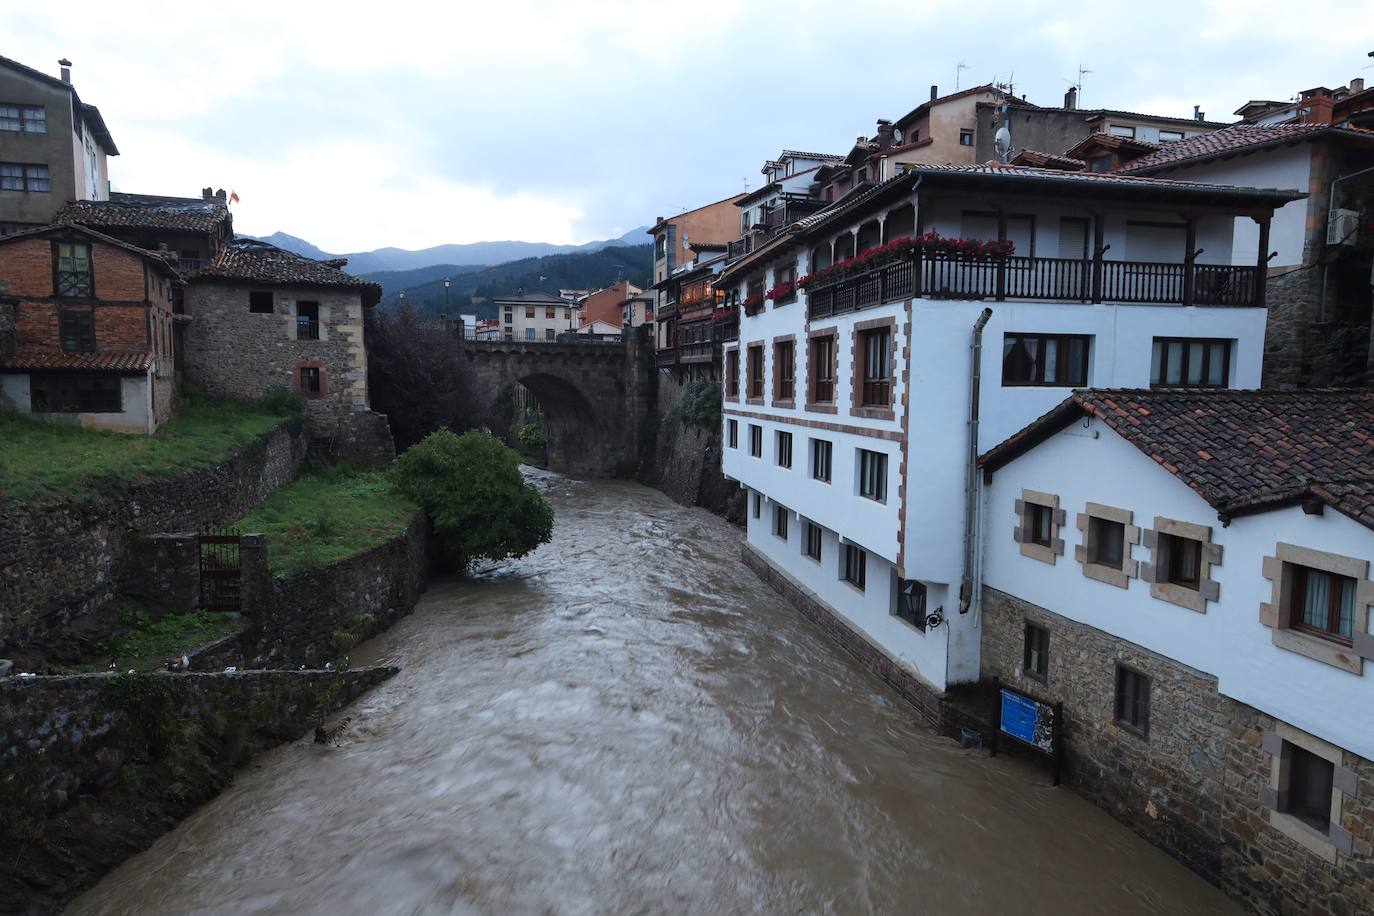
1237	139
1241	451
1098	139
78	362
1035	157
147	211
257	261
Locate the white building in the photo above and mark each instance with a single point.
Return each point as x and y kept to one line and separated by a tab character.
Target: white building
848	415
1188	572
535	316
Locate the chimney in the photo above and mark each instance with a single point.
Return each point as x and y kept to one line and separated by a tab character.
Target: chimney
1318	103
1198	113
221	196
66	66
1357	85
884	133
1071	98
520	292
934	93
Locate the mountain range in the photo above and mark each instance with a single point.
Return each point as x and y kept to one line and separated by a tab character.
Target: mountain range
473	254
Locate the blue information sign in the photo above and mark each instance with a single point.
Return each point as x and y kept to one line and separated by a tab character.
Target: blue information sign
1026	720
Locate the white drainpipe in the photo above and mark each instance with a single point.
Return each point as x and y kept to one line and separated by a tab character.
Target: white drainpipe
971	470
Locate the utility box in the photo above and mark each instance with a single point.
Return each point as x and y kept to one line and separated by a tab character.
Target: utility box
1342	227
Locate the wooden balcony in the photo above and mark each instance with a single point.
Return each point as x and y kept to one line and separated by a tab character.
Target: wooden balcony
944	276
665	357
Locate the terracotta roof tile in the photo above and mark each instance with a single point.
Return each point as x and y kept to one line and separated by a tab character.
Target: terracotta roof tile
254	260
1241	451
1235	139
146	211
78	362
1034	157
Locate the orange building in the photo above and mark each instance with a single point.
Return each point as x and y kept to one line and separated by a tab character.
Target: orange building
605	305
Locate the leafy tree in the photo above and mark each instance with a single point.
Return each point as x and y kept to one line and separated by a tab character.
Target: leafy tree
415	375
477	502
699	404
530	436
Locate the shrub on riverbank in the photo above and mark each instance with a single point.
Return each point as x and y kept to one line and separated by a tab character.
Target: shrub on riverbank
699	405
326	515
48	460
477	501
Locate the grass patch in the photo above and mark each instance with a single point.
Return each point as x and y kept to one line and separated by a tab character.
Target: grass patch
45	461
327	515
149	643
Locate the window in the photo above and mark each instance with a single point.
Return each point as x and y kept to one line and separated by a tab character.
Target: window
785	274
529	333
911	602
1120	130
260	301
1106	542
1056	360
75	393
873	475
756	371
307	321
1100	164
311	380
780	521
732	374
549	312
1035	660
529	311
74	269
1132	700
16	176
509	335
853	569
77	329
965	137
1169	136
550	333
510	316
1190	363
784	449
820	459
1183	560
784	370
877	367
1323	604
758	505
732	433
755	440
1041	524
822	370
29	119
1310	781
813	541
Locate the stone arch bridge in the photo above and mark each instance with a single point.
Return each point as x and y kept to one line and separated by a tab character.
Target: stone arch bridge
595	396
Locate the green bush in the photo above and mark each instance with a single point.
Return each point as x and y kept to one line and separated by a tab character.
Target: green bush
478	504
699	405
531	436
283	402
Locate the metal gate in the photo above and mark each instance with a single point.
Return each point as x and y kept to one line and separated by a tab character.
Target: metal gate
219	571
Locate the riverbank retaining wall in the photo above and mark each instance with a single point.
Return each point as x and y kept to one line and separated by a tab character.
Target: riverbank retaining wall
1198	783
95	767
62	562
686	459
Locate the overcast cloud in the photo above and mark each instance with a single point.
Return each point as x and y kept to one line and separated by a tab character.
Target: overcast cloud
412	124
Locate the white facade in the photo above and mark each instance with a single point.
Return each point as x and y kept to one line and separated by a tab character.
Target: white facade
536	318
917	532
136	402
1089	462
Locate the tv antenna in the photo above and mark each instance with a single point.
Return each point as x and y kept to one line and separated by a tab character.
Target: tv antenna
1078	84
958	71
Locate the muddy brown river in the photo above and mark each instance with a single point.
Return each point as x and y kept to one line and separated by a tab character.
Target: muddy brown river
627	721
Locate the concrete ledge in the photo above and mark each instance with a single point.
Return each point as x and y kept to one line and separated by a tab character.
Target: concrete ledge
923	696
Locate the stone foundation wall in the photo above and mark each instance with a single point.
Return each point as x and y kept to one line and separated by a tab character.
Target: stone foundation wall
61	563
687	460
93	768
1193	784
926	699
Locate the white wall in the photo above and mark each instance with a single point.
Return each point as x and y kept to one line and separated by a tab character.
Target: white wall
135	392
1089	462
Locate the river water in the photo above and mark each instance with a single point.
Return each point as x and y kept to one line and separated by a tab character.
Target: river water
627	721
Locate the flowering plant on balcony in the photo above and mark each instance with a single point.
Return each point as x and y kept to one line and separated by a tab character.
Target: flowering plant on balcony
723	314
753	304
782	291
904	247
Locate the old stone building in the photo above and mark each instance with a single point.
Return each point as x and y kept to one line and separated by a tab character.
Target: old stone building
192	229
262	318
87	336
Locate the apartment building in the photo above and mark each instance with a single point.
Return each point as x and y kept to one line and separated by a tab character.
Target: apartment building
53	146
1188	573
86	329
886	341
536	316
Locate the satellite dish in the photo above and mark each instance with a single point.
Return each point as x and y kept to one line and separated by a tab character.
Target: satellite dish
1001	140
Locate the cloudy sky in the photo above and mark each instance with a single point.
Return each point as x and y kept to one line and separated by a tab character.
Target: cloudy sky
357	126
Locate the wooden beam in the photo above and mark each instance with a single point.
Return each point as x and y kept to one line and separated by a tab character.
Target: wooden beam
1262	260
1189	260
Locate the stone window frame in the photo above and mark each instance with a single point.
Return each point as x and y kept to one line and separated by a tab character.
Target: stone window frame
777	371
813	405
1275	612
857	349
1130	568
1274	794
732	378
1209	589
1021	533
753	351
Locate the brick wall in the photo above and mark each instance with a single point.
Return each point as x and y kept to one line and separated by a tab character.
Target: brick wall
28	268
1192	786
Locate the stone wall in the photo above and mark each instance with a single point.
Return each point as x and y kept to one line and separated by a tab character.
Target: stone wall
93	768
1193	784
61	563
871	656
7	330
687	459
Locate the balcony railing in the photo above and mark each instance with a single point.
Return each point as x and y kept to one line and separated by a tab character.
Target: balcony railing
666	356
937	275
307	328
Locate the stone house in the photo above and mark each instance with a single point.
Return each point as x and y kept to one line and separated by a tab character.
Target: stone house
90	329
262	318
1188	573
192	229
